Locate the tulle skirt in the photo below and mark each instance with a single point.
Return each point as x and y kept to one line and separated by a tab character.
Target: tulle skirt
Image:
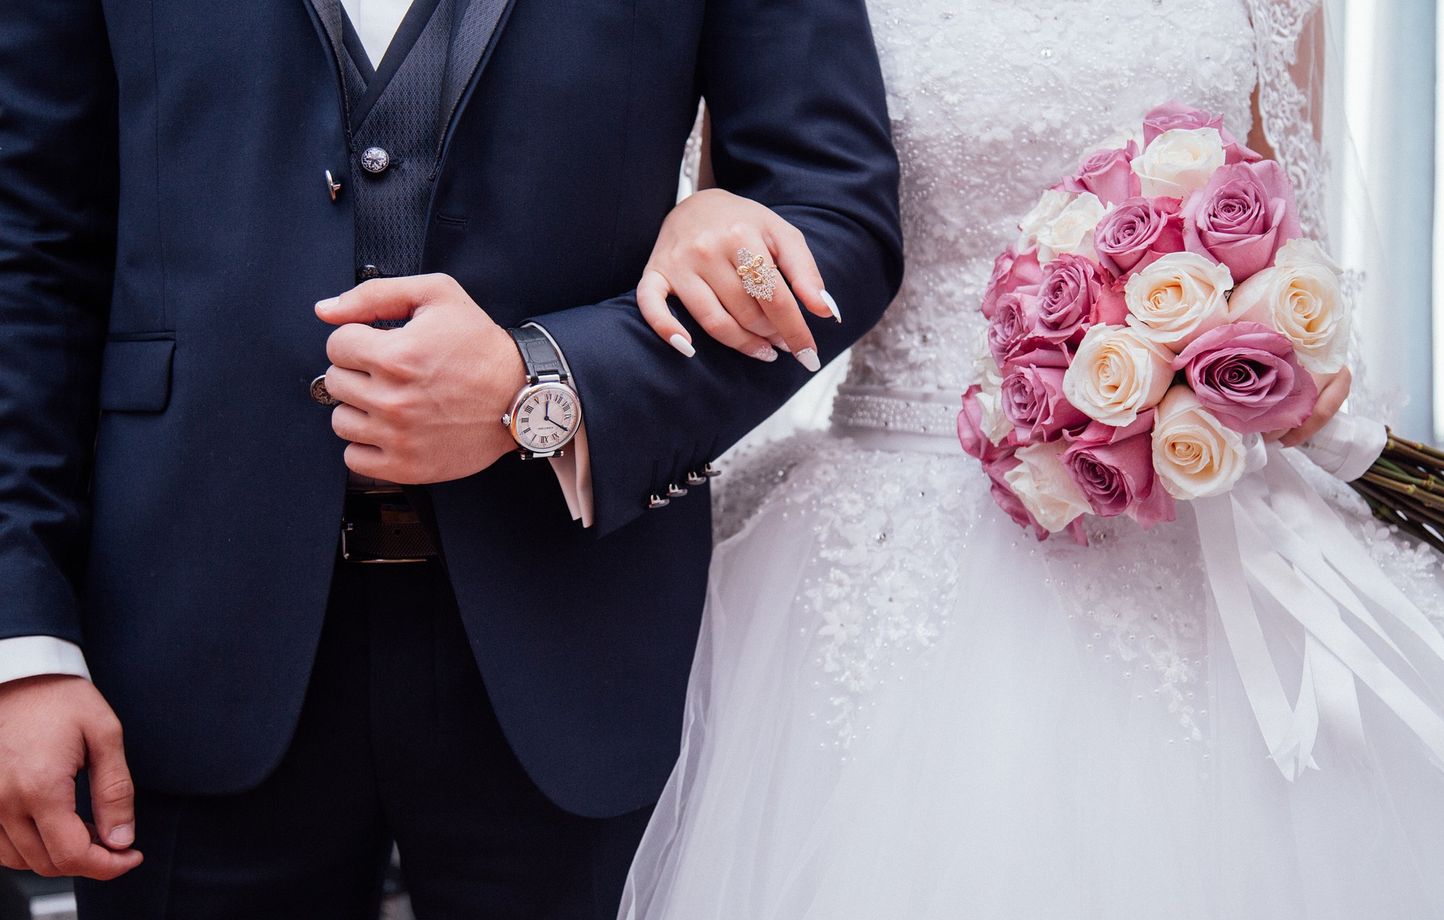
903	707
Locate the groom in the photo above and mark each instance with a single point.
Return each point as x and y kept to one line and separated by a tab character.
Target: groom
309	663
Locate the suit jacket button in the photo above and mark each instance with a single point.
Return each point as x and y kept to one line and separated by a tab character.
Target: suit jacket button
375	160
322	395
675	491
695	478
655	501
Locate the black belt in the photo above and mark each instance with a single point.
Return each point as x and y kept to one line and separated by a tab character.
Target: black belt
381	526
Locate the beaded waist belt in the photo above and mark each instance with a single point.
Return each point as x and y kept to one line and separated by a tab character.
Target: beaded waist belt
924	412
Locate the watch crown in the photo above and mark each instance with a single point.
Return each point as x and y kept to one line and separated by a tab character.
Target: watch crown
506	419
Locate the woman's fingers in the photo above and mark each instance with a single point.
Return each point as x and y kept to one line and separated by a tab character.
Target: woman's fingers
785	313
652	293
1331	400
701	301
798	266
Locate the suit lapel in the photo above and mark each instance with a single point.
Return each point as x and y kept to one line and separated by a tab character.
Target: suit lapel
329	17
326	14
476	34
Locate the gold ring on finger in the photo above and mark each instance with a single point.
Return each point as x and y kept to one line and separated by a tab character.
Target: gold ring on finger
759	278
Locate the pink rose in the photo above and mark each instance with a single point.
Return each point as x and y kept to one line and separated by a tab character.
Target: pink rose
1074	295
1242	217
972	434
1033	401
1138	233
1247	375
1174	115
1010	273
1114	469
1107	174
1011	326
1003	494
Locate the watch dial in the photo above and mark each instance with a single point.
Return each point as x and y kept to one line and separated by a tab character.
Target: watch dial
546	418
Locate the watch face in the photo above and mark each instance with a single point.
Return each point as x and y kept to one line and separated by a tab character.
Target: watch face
546	417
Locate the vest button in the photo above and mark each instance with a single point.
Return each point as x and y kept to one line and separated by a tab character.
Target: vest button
367	272
375	160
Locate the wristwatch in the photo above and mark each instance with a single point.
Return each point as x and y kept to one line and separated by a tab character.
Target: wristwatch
547	411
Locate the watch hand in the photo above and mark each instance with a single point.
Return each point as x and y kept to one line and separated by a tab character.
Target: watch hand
547	418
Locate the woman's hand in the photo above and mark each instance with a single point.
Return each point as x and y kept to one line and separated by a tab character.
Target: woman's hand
1332	393
696	259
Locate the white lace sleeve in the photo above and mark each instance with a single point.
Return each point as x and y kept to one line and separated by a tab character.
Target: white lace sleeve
695	172
1288	48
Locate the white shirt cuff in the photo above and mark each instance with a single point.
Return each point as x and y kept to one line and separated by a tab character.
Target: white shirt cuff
33	656
574	474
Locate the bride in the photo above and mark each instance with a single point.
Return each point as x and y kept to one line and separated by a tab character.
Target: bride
904	707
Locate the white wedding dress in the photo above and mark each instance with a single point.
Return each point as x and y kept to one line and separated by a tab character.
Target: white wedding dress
903	707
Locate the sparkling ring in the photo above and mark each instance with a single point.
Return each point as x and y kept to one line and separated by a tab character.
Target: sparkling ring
759	279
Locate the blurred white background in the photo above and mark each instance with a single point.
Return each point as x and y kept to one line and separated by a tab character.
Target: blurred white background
1391	54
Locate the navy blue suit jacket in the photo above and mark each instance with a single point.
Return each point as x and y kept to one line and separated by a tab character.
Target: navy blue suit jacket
169	494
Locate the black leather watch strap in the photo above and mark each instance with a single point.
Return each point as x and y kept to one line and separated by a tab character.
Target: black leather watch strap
538	354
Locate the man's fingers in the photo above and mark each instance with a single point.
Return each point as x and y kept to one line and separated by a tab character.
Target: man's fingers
368	460
26	837
789	248
385	299
351	424
112	792
355	346
354	388
10	857
72	852
652	292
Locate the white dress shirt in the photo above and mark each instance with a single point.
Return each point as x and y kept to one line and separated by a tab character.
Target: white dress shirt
376	22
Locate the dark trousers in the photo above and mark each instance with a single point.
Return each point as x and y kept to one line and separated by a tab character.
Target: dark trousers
397	742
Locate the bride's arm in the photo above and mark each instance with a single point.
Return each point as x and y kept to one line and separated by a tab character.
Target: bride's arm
695	260
1305	71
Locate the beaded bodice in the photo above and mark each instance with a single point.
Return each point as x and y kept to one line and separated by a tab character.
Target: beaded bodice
991	102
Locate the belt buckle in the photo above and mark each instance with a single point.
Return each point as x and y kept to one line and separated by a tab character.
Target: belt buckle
347	528
350	536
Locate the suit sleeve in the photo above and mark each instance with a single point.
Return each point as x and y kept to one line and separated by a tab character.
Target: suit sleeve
58	170
799	123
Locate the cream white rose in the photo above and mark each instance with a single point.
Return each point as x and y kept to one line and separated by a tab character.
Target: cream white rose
1301	297
1043	213
1116	374
1072	229
1178	298
1045	487
994	421
1179	162
1194	454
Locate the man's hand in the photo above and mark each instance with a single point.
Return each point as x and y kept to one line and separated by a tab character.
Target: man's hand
422	403
51	727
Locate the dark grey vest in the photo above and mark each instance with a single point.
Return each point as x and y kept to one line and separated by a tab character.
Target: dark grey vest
397	117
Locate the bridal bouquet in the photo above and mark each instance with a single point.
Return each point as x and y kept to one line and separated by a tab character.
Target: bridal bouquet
1159	313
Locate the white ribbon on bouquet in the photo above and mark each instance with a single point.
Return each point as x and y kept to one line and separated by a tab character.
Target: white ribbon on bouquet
1275	537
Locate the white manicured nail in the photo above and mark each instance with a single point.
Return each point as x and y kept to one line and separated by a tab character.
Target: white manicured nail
808	359
764	353
831	305
780	345
682	345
